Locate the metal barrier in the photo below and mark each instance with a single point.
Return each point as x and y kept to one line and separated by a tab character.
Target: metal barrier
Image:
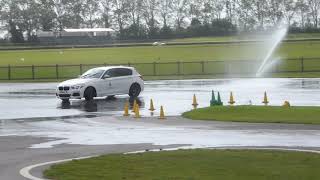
178	68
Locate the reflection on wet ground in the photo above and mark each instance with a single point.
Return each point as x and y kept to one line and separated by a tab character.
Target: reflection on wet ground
37	100
99	105
175	130
304	84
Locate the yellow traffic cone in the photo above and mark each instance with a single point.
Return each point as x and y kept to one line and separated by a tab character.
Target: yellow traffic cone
151	105
162	113
194	101
135	104
126	109
265	99
231	101
137	112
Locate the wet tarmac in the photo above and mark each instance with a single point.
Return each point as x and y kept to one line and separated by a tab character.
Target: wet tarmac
37	101
29	101
33	110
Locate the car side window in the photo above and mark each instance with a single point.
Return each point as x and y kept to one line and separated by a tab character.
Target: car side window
118	72
124	72
110	73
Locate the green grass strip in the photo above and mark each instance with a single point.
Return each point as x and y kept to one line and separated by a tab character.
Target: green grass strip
258	114
193	165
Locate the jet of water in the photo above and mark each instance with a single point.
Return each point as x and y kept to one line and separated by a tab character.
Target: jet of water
271	64
272	44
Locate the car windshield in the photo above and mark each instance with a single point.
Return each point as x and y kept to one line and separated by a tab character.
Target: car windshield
93	73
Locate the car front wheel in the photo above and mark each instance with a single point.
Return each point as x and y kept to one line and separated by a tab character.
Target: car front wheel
135	90
89	93
65	101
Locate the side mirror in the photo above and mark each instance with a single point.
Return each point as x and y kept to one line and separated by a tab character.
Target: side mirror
106	76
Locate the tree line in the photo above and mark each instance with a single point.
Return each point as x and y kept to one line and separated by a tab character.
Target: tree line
142	19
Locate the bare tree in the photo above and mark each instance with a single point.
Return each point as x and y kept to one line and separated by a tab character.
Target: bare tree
47	15
59	10
289	10
23	16
165	9
180	10
142	18
3	4
246	14
260	12
150	13
302	10
195	9
106	12
212	9
73	13
275	11
314	11
90	12
231	7
121	13
135	10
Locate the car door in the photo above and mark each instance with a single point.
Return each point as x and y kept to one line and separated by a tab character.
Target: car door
121	80
106	87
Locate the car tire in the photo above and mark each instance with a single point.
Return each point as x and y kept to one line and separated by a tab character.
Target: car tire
89	93
65	101
134	90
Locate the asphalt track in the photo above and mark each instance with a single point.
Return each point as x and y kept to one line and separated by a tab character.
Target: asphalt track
37	101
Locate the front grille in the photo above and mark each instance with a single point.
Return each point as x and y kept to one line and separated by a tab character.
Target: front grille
60	88
66	88
64	95
76	94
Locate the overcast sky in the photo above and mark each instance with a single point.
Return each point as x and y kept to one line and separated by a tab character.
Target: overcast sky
3	33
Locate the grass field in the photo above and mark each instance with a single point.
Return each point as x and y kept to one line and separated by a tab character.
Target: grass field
257	114
245	37
193	165
161	54
218	55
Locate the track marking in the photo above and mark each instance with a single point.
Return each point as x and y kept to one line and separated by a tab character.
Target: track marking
25	172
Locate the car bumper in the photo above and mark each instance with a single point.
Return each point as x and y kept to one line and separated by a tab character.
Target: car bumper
71	94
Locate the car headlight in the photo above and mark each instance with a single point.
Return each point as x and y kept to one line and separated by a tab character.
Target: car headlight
77	87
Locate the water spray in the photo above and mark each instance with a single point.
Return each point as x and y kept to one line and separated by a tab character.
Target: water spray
273	43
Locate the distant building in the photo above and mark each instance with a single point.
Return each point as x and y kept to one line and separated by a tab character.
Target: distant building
88	32
77	36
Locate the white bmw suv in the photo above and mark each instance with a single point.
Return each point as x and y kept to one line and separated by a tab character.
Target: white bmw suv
102	82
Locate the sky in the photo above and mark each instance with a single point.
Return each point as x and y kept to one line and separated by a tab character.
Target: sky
3	33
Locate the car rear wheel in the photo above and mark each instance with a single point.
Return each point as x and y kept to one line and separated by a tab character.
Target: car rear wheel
89	93
135	90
